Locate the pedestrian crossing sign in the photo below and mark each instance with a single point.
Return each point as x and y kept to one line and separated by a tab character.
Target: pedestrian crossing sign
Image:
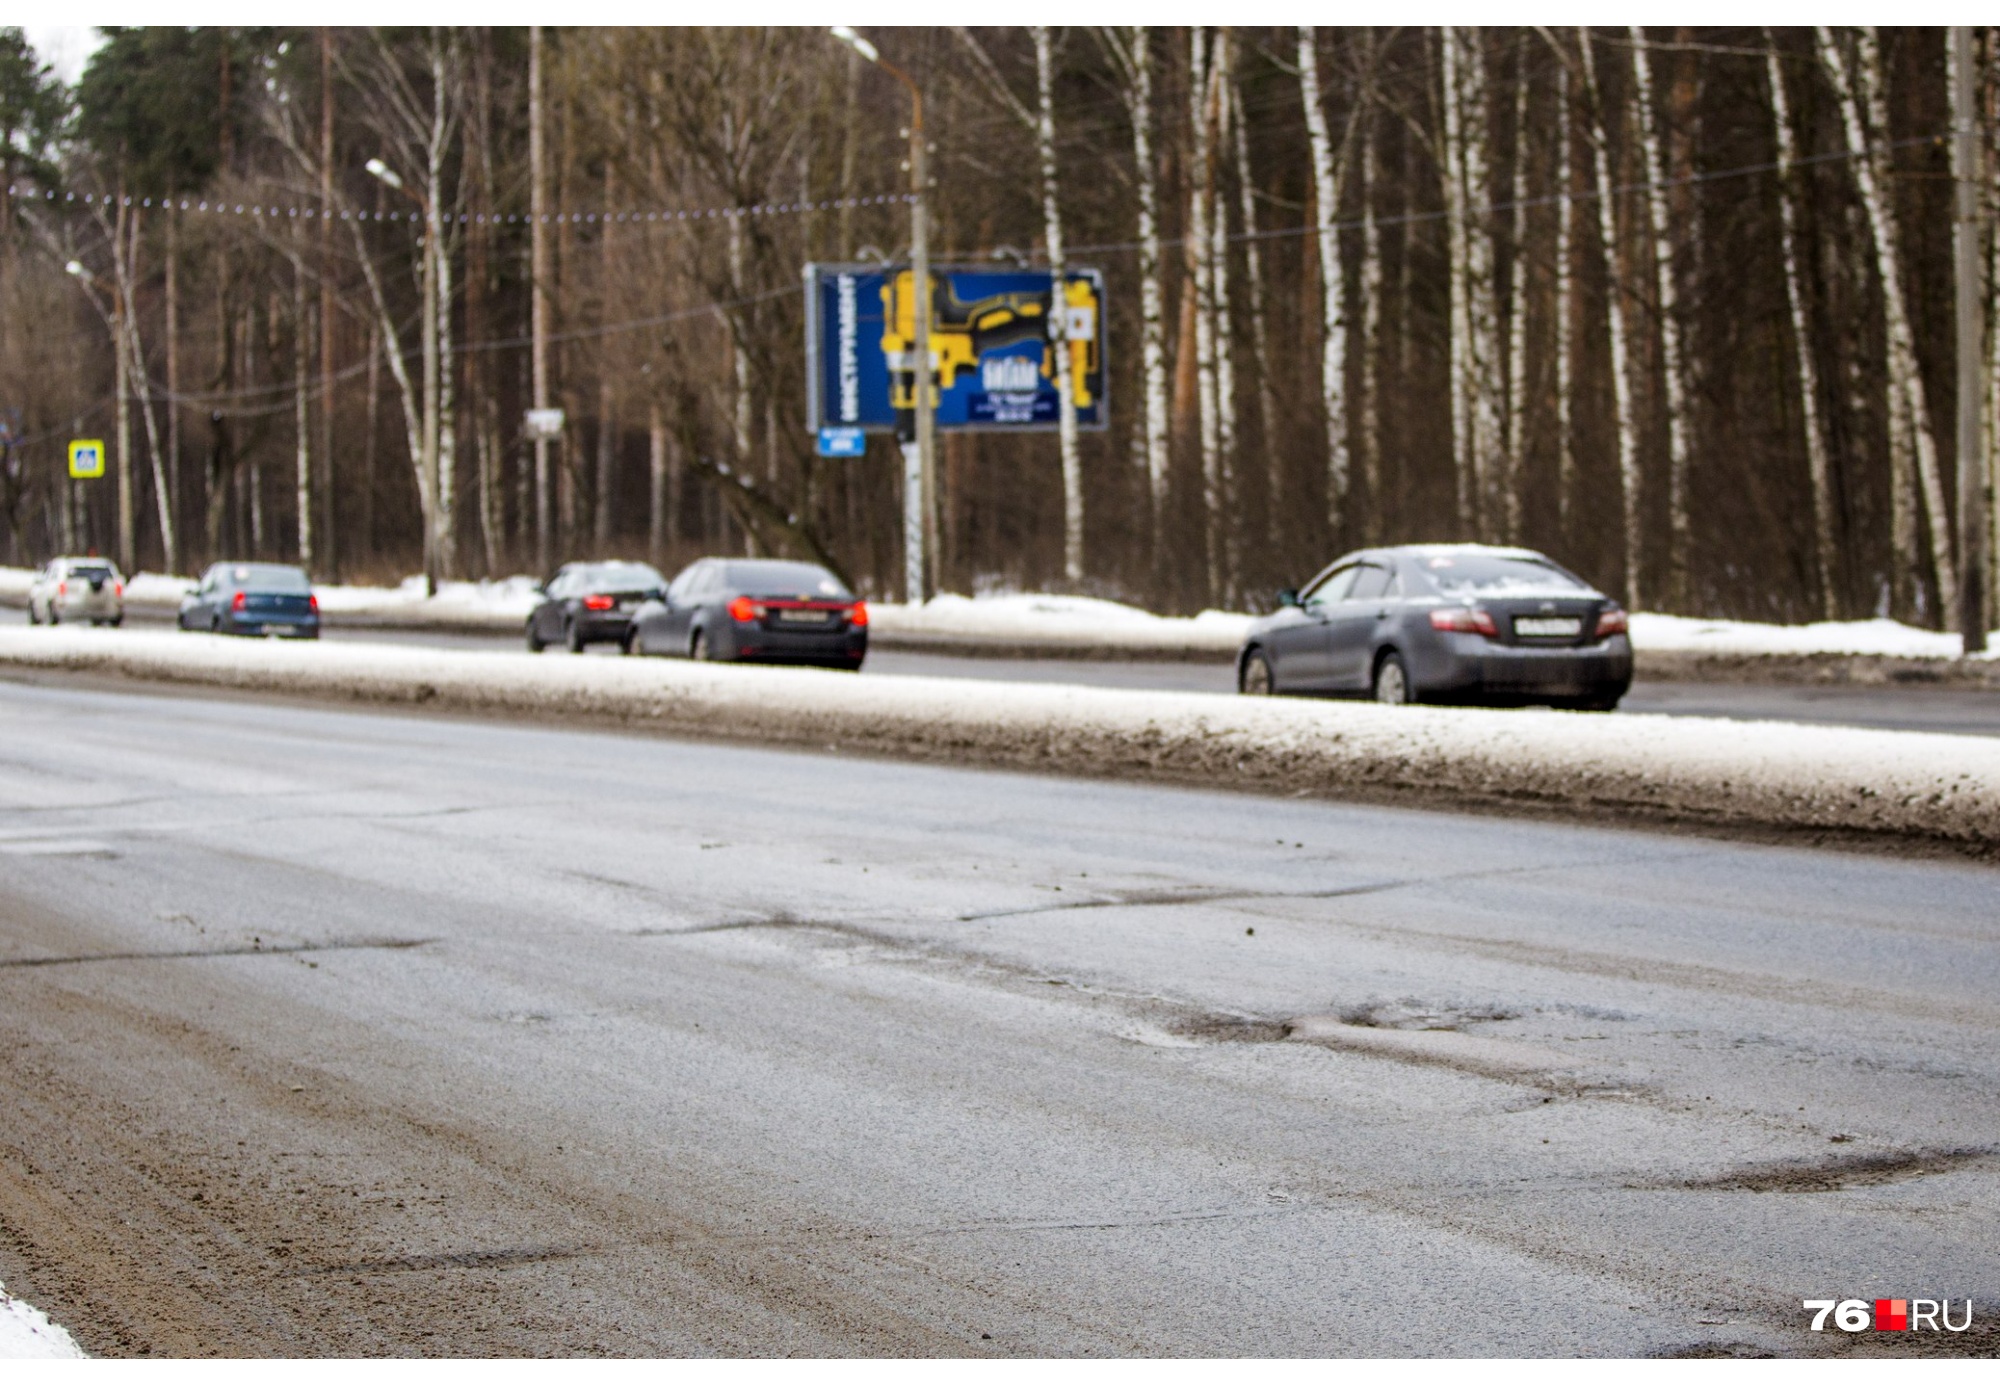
86	459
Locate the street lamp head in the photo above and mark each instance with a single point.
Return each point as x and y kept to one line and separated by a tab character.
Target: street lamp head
384	172
76	267
856	42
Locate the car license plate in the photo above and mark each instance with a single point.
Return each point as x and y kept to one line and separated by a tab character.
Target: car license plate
804	617
1547	627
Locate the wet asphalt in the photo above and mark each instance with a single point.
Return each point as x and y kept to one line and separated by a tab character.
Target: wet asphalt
348	1032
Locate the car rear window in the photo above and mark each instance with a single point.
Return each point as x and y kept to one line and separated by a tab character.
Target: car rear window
783	579
1488	574
258	576
90	570
620	576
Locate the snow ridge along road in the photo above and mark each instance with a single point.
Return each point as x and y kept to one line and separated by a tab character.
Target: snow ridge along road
1855	784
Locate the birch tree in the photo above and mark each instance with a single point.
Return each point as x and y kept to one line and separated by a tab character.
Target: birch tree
1864	112
1131	55
1260	334
1565	305
1332	278
1370	276
1515	443
1476	381
1630	476
1672	359
1802	354
1203	97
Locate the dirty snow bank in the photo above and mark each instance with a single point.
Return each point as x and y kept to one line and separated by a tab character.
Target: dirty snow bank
1799	777
1877	638
26	1334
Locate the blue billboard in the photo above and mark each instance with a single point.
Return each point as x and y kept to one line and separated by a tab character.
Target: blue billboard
993	362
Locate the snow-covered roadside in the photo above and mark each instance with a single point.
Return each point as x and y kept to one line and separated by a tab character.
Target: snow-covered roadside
1040	623
1810	778
27	1334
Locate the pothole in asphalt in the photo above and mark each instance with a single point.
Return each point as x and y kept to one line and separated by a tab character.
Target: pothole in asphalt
1834	1174
1419	1014
1230	1028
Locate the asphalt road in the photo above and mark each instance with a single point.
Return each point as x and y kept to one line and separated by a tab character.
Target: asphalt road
343	1032
1955	711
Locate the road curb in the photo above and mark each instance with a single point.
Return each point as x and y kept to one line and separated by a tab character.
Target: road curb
1810	780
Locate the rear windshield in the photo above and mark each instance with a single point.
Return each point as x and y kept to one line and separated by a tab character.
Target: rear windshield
1486	574
782	579
89	571
621	576
257	576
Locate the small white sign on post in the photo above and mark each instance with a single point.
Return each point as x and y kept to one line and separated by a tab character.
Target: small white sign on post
544	422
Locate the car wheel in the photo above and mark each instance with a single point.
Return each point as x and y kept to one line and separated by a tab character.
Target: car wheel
115	621
1600	703
535	644
215	624
54	619
34	616
1392	680
627	646
1255	680
698	647
573	638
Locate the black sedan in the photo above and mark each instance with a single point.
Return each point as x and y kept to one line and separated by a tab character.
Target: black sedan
252	598
587	603
1459	623
751	609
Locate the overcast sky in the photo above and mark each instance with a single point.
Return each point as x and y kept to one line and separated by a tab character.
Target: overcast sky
65	47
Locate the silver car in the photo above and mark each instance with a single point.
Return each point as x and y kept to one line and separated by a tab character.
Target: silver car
77	588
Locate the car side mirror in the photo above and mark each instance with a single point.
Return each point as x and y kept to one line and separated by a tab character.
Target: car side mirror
1287	597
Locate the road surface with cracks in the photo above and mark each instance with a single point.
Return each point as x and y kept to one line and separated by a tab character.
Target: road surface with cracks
353	1033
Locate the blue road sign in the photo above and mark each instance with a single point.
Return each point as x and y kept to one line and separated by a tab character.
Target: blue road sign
842	442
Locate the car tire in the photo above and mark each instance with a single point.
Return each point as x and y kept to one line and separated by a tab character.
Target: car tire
115	621
573	639
1392	681
535	643
1598	703
627	642
54	619
215	624
34	616
698	648
1255	679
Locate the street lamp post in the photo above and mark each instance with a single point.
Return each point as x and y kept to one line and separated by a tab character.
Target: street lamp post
919	453
427	463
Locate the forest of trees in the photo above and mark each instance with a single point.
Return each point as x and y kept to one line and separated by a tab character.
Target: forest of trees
1672	305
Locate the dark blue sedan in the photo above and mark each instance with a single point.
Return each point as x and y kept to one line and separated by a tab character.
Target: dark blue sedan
1443	623
252	598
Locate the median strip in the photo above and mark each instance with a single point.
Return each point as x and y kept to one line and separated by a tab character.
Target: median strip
1853	784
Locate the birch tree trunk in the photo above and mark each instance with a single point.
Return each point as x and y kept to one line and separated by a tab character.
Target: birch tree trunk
1371	319
1629	473
1332	278
656	507
1808	373
1476	337
607	424
1515	442
445	429
140	383
1861	87
1200	251
301	412
1673	361
1133	56
1225	357
1260	335
1072	464
1565	307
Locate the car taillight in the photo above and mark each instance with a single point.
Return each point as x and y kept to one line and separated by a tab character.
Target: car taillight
118	589
598	603
1464	620
62	588
312	603
743	610
857	616
1612	622
241	600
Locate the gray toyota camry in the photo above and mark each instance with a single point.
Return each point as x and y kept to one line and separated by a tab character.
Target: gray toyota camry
755	610
1443	623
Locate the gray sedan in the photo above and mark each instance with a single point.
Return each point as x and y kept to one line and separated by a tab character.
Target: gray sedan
752	610
1443	623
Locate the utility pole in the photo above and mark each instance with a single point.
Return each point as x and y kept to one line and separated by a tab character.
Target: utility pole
540	271
1974	496
919	452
